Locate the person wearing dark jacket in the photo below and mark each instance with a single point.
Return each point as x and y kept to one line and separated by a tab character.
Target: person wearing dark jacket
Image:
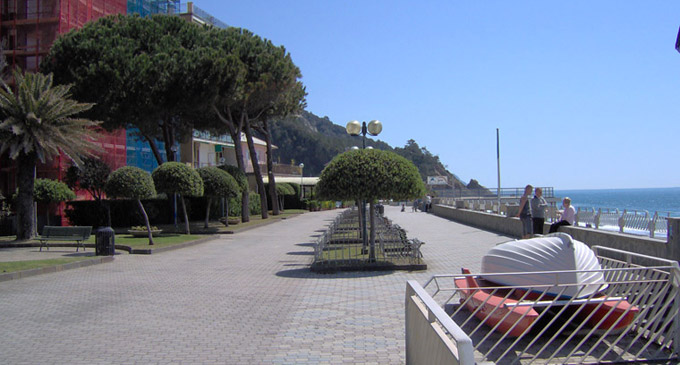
538	205
524	213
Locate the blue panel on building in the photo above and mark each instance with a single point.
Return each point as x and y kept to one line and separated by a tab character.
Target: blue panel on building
148	7
139	152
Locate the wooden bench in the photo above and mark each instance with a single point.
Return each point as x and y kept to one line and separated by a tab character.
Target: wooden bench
79	234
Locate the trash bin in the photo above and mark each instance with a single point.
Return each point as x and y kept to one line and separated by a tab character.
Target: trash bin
105	240
381	209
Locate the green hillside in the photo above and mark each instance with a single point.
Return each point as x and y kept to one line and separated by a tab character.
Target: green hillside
314	141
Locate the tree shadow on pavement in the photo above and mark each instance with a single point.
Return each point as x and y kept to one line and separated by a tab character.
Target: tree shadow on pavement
306	273
300	253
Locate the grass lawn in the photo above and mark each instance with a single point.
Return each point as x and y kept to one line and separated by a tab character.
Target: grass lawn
12	266
171	236
256	220
163	240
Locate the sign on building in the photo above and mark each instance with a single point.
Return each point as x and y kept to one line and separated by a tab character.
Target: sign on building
437	180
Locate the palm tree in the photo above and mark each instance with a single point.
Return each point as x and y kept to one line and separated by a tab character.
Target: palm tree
37	123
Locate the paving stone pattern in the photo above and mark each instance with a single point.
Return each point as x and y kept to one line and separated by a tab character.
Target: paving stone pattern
247	298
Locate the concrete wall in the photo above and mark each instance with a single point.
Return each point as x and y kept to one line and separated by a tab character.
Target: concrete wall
427	326
669	249
486	221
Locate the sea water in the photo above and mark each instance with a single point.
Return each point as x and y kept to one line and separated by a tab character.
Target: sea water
662	200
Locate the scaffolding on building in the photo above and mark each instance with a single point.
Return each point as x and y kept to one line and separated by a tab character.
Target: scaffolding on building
28	28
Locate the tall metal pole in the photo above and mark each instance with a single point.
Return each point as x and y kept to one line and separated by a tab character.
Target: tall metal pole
364	229
498	161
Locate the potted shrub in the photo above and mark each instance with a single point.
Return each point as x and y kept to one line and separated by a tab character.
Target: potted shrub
140	231
230	220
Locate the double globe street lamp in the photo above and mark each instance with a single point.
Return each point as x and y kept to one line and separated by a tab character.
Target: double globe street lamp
354	128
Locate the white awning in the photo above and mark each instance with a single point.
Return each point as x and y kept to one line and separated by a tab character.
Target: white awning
307	181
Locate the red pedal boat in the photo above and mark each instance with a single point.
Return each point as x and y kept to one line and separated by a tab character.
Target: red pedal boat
564	270
609	313
493	307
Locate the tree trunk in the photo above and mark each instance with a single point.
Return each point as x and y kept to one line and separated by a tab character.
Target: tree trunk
169	139
154	149
235	132
270	168
108	214
25	207
226	216
362	223
276	204
146	220
371	213
47	214
207	213
256	170
186	216
245	197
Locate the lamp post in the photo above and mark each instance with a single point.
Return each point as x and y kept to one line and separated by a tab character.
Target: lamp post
354	128
302	166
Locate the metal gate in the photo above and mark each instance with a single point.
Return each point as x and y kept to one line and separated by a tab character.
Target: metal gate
634	317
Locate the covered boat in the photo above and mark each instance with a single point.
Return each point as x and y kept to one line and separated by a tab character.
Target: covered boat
574	269
521	278
493	307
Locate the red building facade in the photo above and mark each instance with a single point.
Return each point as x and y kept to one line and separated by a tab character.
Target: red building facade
28	29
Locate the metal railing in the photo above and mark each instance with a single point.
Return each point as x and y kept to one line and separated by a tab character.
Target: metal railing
491	206
488	193
628	221
341	245
633	318
639	222
204	15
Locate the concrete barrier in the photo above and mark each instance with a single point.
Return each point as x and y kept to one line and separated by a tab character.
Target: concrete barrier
428	329
669	249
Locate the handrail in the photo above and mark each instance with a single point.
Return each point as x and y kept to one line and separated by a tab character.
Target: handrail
626	221
489	193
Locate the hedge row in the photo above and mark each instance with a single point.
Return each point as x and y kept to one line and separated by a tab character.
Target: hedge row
125	213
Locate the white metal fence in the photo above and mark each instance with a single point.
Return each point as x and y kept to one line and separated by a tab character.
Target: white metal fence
627	221
341	245
633	319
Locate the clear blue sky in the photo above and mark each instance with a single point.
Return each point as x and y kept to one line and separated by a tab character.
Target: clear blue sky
586	93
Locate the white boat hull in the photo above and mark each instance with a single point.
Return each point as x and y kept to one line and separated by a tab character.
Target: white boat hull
555	264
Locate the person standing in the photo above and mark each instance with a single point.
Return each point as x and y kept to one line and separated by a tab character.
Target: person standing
524	213
538	205
568	216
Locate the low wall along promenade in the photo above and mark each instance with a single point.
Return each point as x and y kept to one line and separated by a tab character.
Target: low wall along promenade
511	226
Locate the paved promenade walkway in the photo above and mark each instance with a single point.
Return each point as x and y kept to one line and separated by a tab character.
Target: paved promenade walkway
247	298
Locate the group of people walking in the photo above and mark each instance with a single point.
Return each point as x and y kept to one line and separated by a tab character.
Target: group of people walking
426	205
532	213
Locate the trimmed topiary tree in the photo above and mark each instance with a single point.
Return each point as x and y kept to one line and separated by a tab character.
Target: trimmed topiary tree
242	182
132	183
178	178
217	183
91	176
48	191
282	190
370	175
